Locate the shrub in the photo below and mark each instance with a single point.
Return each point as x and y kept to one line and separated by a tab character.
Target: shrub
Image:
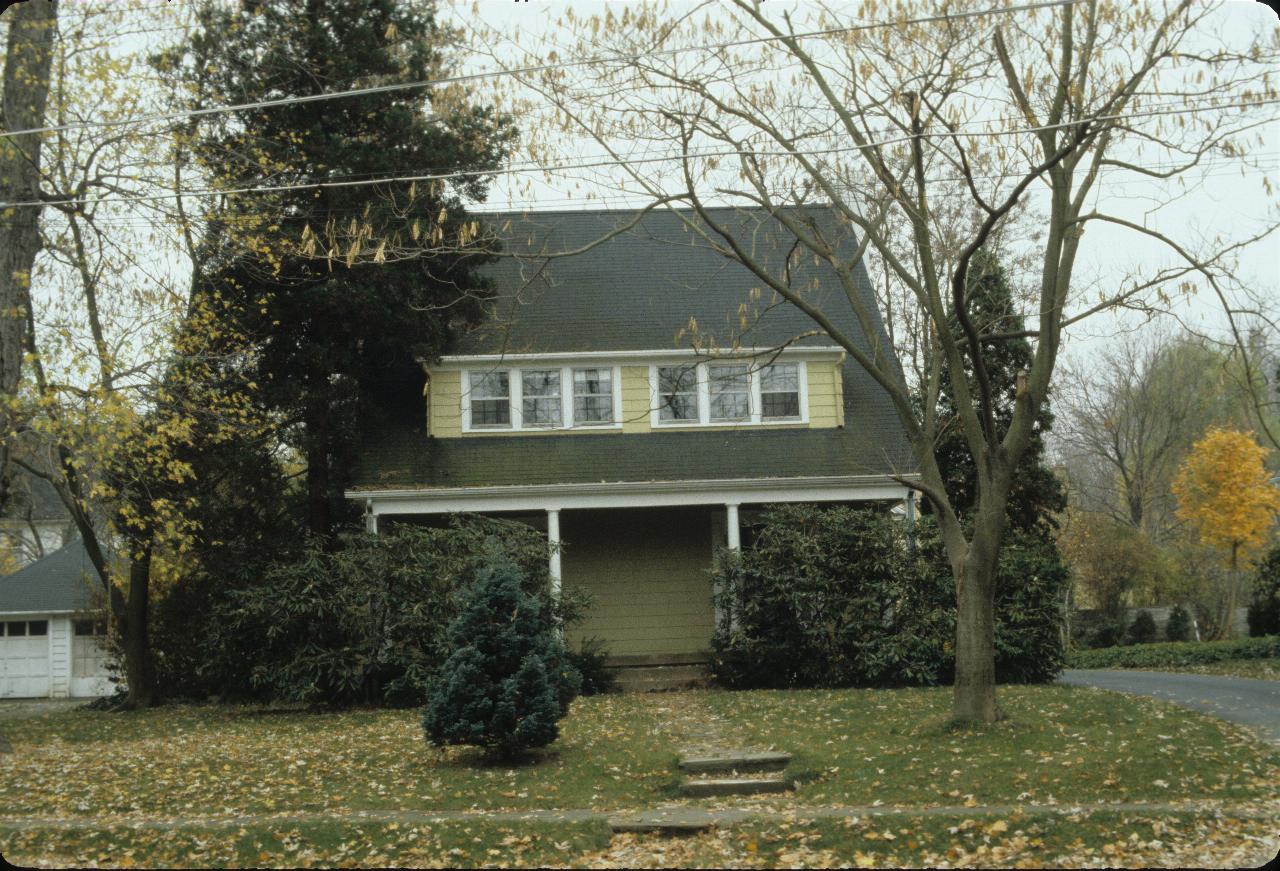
1178	627
590	661
1109	633
832	596
1143	628
1174	654
365	622
507	680
1264	610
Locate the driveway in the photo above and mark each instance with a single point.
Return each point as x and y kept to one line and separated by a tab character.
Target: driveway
1252	703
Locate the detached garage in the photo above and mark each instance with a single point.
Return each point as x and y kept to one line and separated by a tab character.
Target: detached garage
51	636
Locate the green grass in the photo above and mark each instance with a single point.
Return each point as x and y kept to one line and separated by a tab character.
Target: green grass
1064	744
186	761
460	844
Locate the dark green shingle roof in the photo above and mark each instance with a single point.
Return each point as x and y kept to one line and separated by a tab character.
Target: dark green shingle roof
638	291
405	459
61	581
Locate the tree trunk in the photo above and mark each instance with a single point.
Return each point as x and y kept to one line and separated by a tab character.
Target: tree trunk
139	668
26	92
316	441
975	683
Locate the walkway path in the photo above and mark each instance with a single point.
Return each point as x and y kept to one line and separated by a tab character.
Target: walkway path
1249	702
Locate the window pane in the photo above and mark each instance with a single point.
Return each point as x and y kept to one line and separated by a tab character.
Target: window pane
17	627
490	385
783	377
677	393
541	404
774	405
780	391
82	627
490	412
592	396
730	392
38	627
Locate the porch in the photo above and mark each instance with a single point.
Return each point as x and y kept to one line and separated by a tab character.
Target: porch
642	551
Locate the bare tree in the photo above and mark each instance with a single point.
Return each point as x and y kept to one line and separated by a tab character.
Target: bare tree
889	125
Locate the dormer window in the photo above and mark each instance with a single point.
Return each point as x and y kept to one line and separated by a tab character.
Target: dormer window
541	397
592	396
678	393
780	392
730	390
728	393
490	399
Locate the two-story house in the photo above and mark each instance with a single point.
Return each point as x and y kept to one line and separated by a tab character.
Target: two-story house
634	399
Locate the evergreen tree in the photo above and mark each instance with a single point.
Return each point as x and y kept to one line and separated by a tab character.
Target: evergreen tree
1036	494
339	289
508	680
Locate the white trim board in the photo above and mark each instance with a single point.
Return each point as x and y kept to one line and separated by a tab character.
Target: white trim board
552	358
631	494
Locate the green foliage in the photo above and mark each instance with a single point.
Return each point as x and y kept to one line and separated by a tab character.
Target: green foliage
833	596
338	290
1174	654
507	680
1036	494
590	660
1264	610
365	622
1143	628
1178	626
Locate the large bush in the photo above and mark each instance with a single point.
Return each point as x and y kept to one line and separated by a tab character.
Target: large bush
1264	610
834	596
508	679
1143	628
1174	654
364	622
1178	626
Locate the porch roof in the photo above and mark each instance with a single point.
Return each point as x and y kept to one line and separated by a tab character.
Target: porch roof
405	459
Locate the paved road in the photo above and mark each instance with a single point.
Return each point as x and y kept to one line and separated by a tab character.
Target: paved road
1253	703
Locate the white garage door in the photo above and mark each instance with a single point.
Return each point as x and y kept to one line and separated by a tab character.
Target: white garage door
24	659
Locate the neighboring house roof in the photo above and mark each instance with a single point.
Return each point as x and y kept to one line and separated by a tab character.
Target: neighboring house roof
62	581
638	291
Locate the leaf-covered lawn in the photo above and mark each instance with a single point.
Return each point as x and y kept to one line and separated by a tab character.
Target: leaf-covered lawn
101	773
1258	669
193	761
1060	744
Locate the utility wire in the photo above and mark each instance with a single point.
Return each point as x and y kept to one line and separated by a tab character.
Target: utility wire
536	68
602	163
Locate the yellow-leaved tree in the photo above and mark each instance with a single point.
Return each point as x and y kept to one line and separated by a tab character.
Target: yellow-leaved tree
1225	494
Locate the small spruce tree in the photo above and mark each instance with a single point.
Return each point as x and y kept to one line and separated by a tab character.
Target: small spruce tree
1178	627
508	680
1143	629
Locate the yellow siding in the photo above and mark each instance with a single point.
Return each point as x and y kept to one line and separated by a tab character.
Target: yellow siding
635	399
647	571
826	405
444	404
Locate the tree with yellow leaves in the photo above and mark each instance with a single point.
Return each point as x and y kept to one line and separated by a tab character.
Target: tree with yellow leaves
1225	494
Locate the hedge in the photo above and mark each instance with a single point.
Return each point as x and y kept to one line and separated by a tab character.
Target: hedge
1176	653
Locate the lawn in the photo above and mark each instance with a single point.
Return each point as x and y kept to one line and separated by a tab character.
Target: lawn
1258	669
214	786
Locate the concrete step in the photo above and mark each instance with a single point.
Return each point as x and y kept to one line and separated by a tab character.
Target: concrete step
665	821
736	761
661	677
709	786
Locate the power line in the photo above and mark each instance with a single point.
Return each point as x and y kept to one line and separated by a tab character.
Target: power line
607	162
536	68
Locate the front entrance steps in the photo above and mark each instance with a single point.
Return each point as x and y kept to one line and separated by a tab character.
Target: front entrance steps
660	673
735	773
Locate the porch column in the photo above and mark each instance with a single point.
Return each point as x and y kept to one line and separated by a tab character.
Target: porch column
911	520
370	519
553	541
731	519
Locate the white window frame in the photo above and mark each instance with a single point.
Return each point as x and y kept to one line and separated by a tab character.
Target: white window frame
704	398
515	381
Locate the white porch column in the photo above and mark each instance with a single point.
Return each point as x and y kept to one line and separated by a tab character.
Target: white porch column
370	519
731	519
553	541
911	520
